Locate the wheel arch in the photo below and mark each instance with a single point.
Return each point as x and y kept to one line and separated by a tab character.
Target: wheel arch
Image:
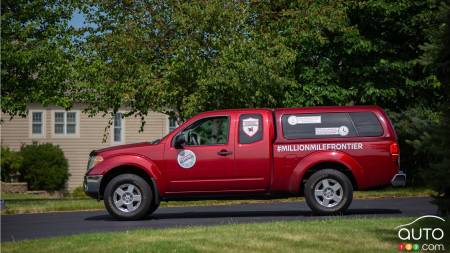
327	159
129	169
328	165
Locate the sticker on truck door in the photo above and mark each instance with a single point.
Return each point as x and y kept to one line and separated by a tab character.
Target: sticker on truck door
250	128
186	159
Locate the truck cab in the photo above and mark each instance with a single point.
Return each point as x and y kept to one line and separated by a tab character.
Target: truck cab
323	153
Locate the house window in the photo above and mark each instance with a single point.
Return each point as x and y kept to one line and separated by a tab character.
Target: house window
65	123
36	123
59	122
71	122
172	124
118	128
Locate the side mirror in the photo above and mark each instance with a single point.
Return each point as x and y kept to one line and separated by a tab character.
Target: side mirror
180	141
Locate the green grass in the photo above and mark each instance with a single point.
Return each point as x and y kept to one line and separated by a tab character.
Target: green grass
329	235
24	203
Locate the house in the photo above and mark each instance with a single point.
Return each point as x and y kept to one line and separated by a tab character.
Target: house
77	134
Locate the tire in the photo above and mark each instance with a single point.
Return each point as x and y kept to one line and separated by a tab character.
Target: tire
121	197
152	209
334	192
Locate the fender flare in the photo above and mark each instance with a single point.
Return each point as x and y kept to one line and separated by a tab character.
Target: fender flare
136	161
319	157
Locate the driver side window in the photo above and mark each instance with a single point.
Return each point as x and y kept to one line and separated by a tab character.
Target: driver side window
208	131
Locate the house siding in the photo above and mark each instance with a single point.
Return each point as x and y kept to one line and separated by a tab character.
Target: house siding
16	132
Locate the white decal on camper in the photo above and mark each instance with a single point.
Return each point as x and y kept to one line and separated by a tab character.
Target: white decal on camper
327	130
343	131
293	120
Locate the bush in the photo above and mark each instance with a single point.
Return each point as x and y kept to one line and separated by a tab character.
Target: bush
11	161
44	167
438	175
413	126
78	193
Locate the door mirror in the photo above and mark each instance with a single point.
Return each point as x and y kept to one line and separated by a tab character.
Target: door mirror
180	141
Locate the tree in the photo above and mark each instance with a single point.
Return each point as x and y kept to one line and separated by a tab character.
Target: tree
182	58
176	57
357	52
35	53
436	56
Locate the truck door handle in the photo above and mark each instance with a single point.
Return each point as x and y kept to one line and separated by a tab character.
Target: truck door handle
224	152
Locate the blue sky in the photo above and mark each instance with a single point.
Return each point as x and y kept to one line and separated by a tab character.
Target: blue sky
77	20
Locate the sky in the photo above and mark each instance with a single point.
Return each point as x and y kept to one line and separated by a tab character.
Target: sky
77	20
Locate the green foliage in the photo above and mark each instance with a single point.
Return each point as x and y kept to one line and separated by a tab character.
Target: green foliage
412	126
35	53
11	161
358	52
437	57
432	148
436	54
78	192
183	58
44	167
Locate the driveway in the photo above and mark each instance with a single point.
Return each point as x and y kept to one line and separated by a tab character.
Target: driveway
30	226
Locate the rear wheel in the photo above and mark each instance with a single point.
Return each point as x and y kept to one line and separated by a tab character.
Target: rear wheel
128	197
328	192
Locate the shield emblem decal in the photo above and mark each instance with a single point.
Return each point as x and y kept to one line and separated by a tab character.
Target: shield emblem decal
250	126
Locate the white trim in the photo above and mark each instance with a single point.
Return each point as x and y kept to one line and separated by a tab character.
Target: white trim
65	135
30	124
122	132
167	125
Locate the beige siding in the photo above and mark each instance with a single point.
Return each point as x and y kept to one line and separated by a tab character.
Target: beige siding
17	131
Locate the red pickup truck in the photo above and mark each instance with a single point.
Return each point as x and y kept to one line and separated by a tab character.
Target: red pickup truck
323	153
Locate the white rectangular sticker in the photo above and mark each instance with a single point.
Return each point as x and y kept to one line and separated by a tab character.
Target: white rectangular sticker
327	130
309	120
294	120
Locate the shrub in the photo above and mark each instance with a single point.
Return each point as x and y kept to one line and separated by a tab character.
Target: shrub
438	175
78	192
412	126
44	167
11	161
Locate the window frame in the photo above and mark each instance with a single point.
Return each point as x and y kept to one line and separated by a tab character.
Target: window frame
43	125
65	134
168	125
208	117
122	132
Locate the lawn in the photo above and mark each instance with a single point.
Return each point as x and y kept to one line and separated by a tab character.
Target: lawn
329	235
23	203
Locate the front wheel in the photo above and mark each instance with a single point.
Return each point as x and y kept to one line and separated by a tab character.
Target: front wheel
128	197
328	192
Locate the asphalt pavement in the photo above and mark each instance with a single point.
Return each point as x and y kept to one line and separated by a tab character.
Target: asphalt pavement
31	226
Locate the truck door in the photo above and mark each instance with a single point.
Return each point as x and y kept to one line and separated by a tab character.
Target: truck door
253	150
206	162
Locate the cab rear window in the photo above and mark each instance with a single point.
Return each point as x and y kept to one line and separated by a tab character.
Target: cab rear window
330	125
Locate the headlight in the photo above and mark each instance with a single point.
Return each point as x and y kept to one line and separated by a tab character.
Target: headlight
94	160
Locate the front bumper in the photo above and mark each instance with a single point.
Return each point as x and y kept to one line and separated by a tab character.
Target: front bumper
91	186
399	179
